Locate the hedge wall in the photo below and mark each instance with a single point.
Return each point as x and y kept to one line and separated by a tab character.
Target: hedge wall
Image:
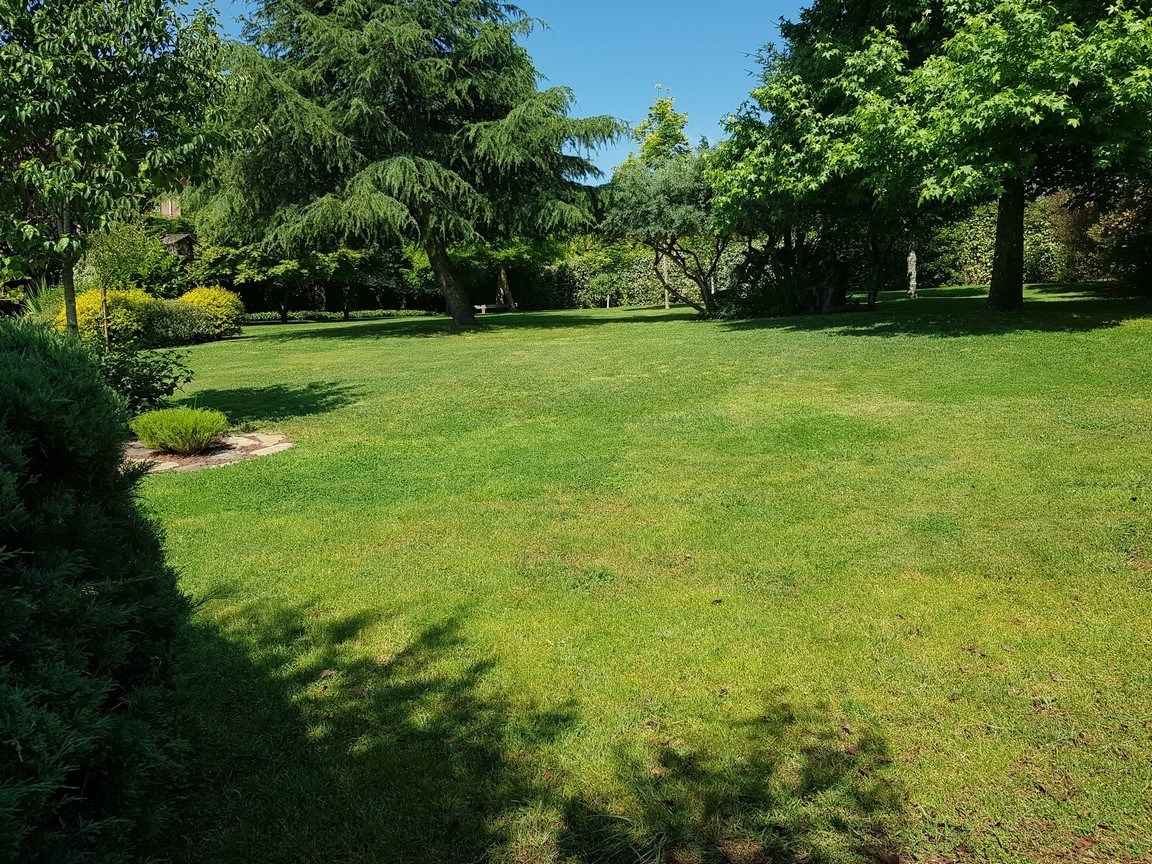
87	621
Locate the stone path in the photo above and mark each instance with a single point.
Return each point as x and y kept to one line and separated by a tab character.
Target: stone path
235	448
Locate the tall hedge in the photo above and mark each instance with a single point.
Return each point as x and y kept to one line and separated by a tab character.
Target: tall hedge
88	614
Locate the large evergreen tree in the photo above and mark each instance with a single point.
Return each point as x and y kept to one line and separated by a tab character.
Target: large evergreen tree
381	121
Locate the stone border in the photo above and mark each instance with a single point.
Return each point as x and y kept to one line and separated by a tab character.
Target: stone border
233	449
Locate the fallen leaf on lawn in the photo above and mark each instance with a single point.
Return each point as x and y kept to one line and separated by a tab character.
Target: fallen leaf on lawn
327	673
852	751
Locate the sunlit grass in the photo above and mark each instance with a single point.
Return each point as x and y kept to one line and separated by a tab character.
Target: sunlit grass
620	586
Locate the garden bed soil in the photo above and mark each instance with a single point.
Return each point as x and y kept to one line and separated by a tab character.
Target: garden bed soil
230	450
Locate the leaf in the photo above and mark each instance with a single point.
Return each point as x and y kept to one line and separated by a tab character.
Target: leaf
326	674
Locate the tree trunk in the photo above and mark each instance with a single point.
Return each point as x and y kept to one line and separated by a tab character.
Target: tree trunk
913	275
667	280
1007	291
68	274
877	272
662	275
504	289
459	306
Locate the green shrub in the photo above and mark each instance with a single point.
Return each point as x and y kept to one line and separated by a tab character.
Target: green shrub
42	303
138	321
180	430
144	379
87	621
175	323
130	255
321	316
131	318
225	308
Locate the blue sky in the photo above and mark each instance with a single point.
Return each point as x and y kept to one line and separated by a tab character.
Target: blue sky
613	53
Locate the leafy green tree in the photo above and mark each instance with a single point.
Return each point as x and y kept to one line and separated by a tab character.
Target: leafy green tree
668	207
381	122
661	135
1027	98
103	104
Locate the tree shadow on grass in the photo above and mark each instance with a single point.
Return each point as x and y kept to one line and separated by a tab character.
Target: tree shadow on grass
307	747
314	739
798	786
426	328
964	312
248	405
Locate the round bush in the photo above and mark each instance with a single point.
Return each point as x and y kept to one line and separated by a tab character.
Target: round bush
180	430
132	318
87	621
175	323
225	308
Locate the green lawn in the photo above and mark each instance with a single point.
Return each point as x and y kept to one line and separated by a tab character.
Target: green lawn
623	586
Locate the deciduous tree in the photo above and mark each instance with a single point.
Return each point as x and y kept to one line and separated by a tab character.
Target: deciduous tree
102	106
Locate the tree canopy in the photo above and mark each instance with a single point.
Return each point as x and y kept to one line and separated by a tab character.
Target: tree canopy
103	107
382	122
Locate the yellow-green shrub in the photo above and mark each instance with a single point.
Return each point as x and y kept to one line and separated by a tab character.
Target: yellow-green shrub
225	308
131	317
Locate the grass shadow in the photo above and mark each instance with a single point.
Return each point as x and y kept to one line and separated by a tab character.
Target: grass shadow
423	328
956	312
314	741
800	786
307	748
249	405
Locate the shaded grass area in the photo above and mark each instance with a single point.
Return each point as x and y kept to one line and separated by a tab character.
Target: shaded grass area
625	586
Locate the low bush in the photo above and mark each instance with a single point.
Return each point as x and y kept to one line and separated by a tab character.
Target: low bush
224	307
180	430
175	323
144	379
322	316
90	610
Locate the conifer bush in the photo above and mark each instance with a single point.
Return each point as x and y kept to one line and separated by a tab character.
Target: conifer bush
88	618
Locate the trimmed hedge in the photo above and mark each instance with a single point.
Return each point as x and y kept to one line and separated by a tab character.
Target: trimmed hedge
299	317
137	320
225	308
90	611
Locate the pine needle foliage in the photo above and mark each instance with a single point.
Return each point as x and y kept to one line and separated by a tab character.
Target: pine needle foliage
377	122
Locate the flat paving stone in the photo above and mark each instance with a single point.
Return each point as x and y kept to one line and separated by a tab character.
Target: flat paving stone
233	449
269	451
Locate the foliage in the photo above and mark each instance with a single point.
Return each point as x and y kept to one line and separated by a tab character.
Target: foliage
42	303
1124	235
87	747
109	98
968	102
668	207
132	316
143	379
661	134
595	274
129	255
176	322
225	308
185	431
417	122
320	315
137	320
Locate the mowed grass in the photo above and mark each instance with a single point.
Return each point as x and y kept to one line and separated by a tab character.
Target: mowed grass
620	586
